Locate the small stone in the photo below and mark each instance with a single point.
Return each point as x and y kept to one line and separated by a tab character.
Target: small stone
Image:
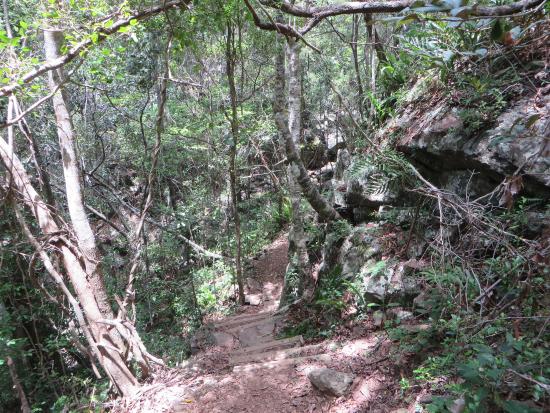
378	318
253	299
330	381
458	406
416	328
400	314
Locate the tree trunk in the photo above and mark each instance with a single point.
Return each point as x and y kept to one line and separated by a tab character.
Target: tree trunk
298	237
86	279
283	121
71	172
231	56
110	359
25	407
353	44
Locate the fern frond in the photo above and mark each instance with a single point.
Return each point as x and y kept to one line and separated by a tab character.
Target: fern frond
385	172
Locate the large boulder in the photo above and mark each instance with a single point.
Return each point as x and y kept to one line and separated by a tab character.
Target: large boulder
389	281
331	381
360	257
365	187
441	142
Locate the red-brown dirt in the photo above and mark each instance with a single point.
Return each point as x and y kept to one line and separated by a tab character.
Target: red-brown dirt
251	371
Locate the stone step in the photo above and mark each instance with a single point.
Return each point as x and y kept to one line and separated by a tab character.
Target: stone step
288	353
269	346
277	364
249	324
239	320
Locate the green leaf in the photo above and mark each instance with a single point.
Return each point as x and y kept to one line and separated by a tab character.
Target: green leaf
497	32
133	22
408	19
531	120
513	406
124	29
469	371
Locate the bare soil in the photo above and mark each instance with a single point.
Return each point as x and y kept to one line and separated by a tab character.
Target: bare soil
273	377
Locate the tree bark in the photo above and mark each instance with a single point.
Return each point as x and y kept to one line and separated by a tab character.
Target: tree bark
231	56
71	172
82	262
25	407
283	121
110	359
353	45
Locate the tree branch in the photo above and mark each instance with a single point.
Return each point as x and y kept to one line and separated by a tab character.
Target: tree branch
83	46
359	7
319	13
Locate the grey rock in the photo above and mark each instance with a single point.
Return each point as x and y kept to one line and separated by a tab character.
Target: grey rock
389	281
536	222
360	256
359	193
458	406
253	299
343	161
378	318
331	381
399	313
334	143
437	139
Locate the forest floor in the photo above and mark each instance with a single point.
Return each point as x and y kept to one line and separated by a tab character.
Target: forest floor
250	369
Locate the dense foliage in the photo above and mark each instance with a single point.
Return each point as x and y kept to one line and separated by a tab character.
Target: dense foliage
185	253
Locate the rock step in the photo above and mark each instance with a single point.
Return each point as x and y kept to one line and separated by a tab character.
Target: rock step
269	346
238	320
277	364
288	353
249	324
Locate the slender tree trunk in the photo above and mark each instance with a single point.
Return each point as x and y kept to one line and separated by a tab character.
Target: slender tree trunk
298	283
231	56
374	38
376	53
71	172
310	191
353	44
87	280
298	236
25	407
109	358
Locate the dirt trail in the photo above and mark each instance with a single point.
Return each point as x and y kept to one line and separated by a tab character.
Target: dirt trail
250	370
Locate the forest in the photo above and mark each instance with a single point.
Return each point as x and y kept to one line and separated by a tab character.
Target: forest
275	206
